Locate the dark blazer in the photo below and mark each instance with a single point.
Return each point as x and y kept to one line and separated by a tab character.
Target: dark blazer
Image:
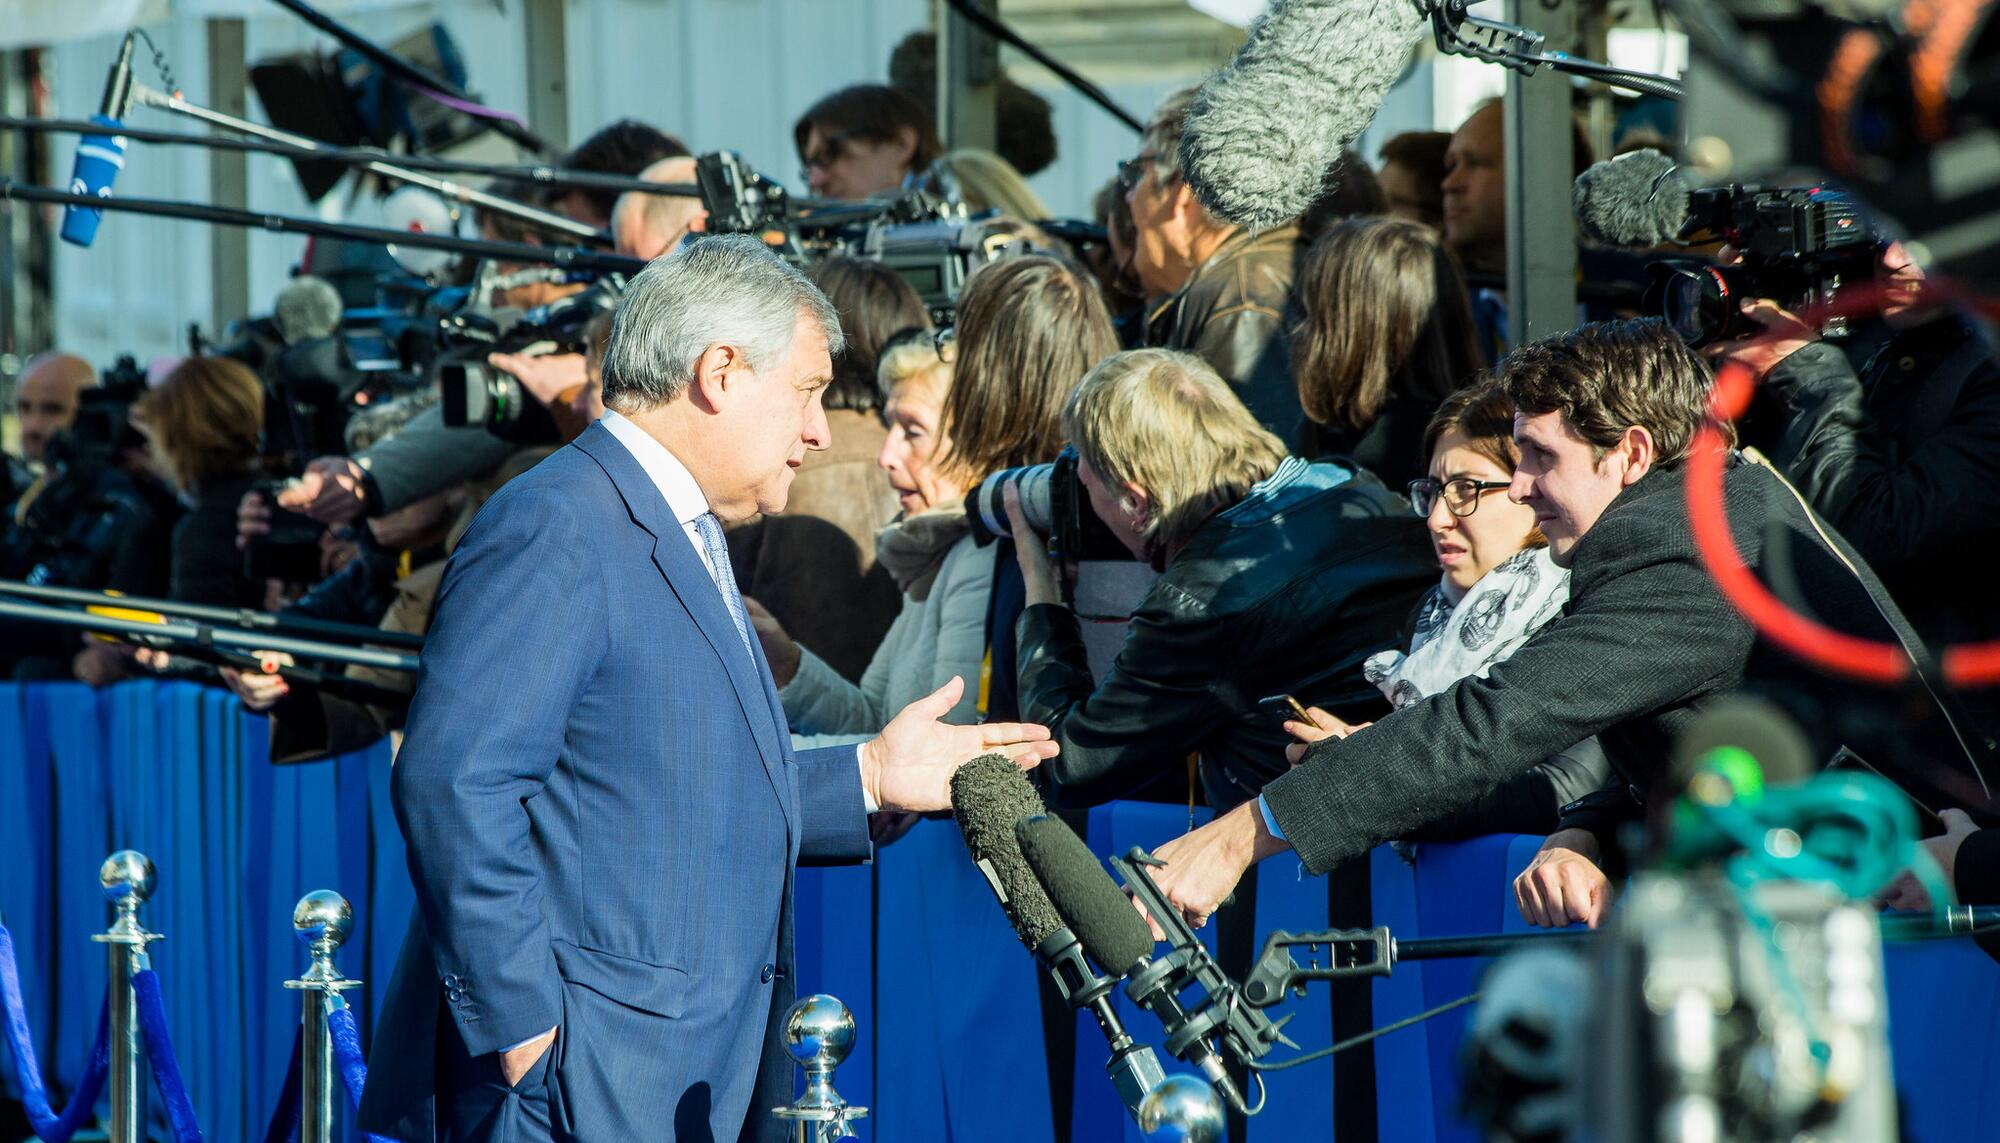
206	566
603	811
1644	642
1287	591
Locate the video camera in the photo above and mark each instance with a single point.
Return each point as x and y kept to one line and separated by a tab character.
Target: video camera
1800	245
476	394
924	233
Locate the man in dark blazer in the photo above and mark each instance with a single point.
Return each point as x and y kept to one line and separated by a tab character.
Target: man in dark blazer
1605	416
601	802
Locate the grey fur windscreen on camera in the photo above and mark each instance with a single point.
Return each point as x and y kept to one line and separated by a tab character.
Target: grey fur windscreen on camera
1636	200
1303	87
1085	896
988	795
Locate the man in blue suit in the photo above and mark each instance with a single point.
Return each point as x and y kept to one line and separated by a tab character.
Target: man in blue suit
602	806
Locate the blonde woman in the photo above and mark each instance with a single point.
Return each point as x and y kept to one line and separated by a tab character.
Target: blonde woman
203	421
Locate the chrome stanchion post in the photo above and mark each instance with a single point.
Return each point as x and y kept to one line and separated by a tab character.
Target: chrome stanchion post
127	878
322	920
819	1033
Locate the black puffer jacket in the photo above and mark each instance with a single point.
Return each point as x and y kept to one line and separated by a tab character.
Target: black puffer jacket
1286	592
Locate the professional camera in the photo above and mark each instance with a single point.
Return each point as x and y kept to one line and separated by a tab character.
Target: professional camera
1056	505
1800	245
923	233
476	394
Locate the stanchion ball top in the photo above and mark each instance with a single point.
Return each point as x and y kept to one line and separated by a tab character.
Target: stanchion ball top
323	915
126	874
819	1031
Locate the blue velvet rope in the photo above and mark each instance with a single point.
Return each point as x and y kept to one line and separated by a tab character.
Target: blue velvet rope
347	1057
285	1118
160	1050
46	1123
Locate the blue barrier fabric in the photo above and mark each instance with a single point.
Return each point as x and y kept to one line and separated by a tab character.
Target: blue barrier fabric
49	1126
182	774
285	1116
348	1058
160	1053
947	1002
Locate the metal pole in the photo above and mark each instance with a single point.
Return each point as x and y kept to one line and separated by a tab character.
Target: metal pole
228	179
968	80
546	36
322	921
1541	234
127	878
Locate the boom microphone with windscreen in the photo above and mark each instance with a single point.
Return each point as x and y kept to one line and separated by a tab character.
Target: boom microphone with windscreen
1264	130
1635	201
989	795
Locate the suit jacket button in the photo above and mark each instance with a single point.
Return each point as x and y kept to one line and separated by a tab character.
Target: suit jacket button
449	981
766	975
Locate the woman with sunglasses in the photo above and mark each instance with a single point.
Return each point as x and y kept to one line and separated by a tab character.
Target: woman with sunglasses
1499	587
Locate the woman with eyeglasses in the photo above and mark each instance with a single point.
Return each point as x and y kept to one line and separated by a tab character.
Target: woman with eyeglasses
1499	587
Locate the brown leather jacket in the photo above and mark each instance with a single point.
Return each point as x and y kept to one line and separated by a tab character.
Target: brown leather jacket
1235	313
814	567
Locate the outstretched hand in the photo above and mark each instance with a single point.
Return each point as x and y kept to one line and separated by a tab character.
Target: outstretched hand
910	764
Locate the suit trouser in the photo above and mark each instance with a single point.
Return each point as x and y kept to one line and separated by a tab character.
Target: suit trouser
475	1104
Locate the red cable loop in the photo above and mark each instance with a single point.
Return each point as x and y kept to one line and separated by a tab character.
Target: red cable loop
1964	665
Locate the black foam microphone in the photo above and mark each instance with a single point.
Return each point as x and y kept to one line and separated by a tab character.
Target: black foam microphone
989	796
1116	937
1264	130
1635	201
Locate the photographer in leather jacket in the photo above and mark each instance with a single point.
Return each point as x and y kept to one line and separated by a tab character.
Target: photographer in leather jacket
1277	577
1901	455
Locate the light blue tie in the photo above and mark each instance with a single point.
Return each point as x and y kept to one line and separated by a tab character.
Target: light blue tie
725	579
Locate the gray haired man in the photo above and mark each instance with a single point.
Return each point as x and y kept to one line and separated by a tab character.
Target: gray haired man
601	801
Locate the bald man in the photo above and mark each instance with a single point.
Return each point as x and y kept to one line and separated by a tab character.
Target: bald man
648	225
46	399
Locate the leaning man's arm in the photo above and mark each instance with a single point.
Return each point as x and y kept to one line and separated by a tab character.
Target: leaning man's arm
519	630
1652	634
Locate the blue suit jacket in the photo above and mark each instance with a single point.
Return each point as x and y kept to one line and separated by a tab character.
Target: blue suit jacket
603	811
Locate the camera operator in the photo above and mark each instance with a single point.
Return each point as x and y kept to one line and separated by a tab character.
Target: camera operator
74	519
308	723
1899	455
429	456
1606	417
649	225
1226	289
862	141
1277	577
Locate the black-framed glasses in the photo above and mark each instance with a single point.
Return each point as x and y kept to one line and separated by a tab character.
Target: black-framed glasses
1461	496
945	341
